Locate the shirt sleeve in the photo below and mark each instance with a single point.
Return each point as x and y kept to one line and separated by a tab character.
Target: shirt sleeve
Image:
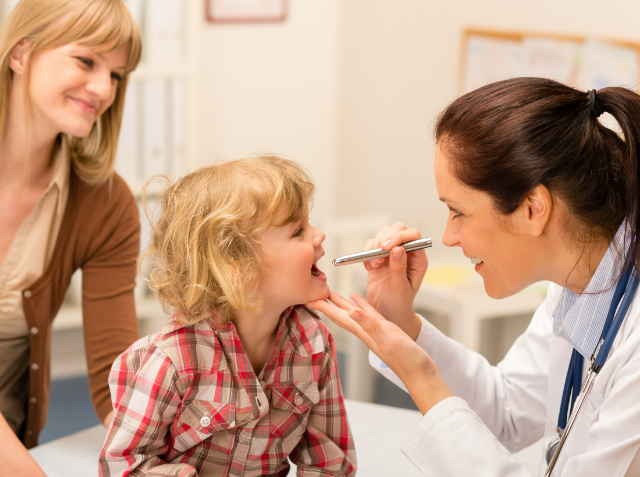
145	398
326	448
110	323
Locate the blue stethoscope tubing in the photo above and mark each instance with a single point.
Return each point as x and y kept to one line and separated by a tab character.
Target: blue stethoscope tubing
623	295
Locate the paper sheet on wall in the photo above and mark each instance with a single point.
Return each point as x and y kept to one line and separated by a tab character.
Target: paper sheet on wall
489	60
584	65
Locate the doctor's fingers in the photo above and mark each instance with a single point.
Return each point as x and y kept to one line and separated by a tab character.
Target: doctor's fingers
341	317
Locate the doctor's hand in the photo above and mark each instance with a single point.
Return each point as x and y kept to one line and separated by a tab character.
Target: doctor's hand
393	282
407	360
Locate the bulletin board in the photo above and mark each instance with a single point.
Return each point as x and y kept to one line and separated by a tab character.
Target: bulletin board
583	62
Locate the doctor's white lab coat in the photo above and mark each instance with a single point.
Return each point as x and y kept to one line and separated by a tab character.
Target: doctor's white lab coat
503	409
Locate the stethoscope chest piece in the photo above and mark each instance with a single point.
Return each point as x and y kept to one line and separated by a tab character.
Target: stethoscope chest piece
551	449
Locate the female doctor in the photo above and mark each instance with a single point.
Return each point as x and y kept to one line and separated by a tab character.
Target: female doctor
537	189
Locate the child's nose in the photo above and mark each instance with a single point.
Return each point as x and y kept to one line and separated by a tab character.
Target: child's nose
319	238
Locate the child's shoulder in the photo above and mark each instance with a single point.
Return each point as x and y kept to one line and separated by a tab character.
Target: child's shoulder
189	348
307	333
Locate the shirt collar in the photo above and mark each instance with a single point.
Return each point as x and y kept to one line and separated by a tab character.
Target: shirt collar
579	319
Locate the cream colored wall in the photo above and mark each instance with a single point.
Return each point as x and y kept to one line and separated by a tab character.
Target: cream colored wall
398	69
273	88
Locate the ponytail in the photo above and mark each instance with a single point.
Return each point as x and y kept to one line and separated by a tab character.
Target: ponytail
624	105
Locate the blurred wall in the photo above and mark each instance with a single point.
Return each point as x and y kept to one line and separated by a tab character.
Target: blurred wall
273	88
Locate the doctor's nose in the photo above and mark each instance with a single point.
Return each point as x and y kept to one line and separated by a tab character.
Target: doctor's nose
451	235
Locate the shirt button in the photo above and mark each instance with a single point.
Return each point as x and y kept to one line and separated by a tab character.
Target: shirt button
33	399
34	331
205	421
263	384
35	367
245	437
299	400
27	293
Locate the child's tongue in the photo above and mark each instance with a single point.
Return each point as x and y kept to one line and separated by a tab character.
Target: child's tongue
315	271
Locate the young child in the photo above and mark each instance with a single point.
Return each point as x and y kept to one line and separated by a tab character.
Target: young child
243	376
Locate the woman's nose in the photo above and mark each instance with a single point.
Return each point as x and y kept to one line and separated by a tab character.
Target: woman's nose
451	236
101	85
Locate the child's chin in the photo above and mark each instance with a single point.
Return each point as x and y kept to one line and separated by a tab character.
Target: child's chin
322	295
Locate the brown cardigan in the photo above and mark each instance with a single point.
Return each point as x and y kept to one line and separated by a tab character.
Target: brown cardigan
100	233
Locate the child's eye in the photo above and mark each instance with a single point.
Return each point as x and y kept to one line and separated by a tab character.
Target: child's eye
116	77
298	232
456	213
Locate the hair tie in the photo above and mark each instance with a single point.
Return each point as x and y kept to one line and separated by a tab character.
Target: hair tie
595	107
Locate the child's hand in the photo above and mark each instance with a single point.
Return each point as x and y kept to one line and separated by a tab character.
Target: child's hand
393	282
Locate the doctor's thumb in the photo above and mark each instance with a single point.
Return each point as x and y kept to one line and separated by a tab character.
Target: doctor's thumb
367	324
398	265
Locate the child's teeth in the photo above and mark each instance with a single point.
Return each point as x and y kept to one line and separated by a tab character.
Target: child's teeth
476	261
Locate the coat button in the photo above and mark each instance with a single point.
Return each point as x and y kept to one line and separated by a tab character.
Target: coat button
33	399
35	367
34	331
27	293
299	400
29	432
205	421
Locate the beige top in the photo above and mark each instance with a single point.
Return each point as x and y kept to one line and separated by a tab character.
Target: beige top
26	260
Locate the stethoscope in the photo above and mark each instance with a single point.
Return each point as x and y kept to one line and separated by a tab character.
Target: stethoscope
626	287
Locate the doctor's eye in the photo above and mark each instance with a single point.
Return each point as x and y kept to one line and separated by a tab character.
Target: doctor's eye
456	213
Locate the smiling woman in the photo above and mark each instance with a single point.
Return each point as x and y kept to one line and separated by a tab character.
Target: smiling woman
64	67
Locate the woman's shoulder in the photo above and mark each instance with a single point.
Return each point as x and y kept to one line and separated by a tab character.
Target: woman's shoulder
107	206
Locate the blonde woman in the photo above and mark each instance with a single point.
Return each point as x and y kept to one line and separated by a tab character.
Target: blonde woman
64	66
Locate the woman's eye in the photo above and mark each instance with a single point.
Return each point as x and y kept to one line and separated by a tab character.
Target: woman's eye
298	232
85	61
456	213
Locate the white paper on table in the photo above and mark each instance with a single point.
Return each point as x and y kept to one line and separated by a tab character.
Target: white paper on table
154	127
551	58
163	32
605	64
178	127
489	60
127	156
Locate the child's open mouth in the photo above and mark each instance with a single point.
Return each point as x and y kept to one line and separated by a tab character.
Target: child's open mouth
315	271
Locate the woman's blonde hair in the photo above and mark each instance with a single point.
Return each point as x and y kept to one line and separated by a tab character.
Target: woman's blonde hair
205	248
51	23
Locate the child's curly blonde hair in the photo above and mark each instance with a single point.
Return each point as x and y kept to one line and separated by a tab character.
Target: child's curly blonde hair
206	246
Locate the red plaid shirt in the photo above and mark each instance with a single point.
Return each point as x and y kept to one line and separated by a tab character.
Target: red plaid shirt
187	403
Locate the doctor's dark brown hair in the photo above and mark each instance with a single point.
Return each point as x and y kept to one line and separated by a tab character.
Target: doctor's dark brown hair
507	137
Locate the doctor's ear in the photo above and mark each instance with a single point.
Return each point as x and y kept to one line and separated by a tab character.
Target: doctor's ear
19	55
537	206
